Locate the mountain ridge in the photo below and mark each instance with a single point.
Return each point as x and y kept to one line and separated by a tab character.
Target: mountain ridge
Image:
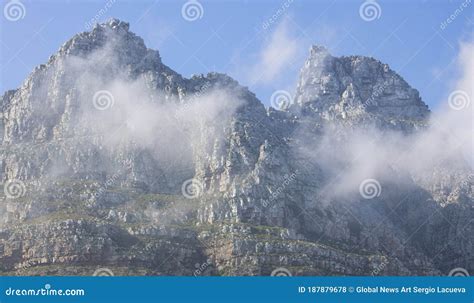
130	166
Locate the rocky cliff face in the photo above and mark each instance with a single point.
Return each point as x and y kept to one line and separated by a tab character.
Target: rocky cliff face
359	89
163	175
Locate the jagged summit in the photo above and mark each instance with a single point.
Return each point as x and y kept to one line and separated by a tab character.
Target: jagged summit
317	50
353	86
116	24
113	33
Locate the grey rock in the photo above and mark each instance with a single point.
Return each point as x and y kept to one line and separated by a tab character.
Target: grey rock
259	204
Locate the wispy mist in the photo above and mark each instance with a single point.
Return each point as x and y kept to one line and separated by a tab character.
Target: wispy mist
442	150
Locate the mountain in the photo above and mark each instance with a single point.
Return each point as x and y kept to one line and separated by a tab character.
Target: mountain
110	159
357	87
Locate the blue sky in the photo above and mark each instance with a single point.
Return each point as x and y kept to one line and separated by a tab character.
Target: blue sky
243	38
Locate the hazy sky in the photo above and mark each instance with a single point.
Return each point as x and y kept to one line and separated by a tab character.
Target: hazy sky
262	44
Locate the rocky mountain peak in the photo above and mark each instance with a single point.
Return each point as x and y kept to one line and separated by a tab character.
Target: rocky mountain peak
116	24
113	34
356	86
318	50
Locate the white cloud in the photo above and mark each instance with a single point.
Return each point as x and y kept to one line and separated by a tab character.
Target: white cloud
462	121
466	65
276	55
446	145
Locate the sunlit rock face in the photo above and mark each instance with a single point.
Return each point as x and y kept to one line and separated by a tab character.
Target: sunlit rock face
358	88
111	159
